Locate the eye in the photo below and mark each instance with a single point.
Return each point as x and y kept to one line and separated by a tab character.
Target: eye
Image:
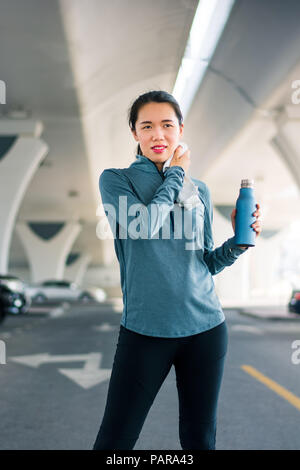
145	127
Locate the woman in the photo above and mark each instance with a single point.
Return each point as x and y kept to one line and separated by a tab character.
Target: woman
172	315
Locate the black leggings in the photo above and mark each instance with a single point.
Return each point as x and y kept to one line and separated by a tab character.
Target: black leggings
141	364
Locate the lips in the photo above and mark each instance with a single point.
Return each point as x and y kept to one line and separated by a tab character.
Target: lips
159	149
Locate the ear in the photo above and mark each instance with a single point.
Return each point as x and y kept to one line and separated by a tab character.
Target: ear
181	130
134	135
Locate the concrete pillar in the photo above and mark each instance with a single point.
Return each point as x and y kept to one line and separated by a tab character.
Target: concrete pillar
286	143
264	276
20	154
76	267
47	245
284	149
106	245
233	283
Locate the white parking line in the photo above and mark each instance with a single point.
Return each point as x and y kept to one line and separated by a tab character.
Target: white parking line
247	329
60	310
105	327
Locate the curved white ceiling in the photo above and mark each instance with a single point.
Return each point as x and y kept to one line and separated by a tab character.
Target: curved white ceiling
77	66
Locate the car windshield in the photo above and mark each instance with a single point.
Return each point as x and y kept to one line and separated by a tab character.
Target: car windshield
56	283
13	282
8	278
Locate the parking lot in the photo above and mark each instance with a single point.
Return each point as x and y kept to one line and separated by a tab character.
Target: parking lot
55	381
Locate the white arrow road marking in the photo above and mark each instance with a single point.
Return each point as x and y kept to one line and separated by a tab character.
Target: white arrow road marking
36	360
247	329
91	374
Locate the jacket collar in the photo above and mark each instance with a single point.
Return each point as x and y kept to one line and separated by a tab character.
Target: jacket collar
145	164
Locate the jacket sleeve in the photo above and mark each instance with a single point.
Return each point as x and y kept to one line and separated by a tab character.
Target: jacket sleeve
225	255
122	206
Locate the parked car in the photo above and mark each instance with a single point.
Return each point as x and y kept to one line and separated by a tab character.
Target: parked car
14	298
3	302
64	290
96	293
294	303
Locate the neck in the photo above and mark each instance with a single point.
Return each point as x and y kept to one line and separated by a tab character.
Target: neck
159	165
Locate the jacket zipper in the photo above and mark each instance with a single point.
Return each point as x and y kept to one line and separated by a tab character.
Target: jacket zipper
171	213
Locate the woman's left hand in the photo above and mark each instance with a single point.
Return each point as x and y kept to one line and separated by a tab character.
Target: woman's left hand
256	225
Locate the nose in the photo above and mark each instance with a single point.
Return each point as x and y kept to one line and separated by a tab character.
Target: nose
158	134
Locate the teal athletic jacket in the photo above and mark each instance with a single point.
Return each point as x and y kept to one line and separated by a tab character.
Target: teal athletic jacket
166	252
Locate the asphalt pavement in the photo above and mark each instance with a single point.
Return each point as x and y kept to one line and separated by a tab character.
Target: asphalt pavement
55	379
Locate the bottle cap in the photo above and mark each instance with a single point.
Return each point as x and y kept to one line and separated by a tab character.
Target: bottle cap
247	183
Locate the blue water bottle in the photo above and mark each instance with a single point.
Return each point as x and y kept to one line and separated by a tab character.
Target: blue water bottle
245	207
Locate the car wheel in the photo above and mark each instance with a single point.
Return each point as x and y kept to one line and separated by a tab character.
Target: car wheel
85	297
39	298
2	315
24	309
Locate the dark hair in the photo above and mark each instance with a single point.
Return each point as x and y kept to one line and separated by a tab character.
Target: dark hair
157	96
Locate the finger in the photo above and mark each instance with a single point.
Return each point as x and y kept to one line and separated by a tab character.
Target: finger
257	206
187	152
179	149
257	228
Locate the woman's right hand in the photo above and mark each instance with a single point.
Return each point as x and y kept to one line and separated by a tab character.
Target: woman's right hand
182	160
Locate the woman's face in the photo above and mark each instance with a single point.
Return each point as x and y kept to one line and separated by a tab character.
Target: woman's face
157	125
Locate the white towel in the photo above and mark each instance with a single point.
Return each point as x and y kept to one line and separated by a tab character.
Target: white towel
188	196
